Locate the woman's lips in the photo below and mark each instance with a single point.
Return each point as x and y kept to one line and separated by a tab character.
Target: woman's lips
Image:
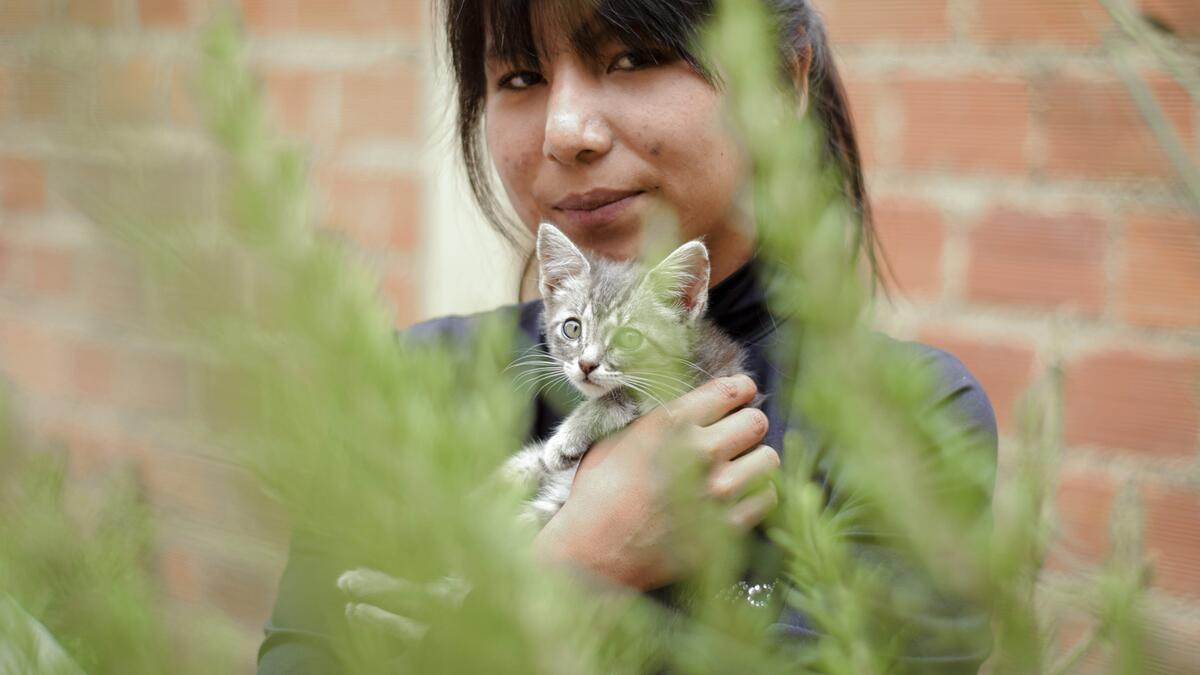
596	207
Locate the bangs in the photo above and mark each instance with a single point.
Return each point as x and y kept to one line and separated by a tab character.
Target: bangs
516	30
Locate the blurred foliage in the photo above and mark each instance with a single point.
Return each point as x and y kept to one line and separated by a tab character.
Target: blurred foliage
382	447
1167	52
75	565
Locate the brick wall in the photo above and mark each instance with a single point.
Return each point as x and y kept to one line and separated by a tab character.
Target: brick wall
1024	205
1028	211
346	77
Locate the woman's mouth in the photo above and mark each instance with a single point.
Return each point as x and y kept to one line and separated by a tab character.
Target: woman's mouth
596	207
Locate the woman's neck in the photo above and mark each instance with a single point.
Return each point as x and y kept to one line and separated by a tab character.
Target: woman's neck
726	253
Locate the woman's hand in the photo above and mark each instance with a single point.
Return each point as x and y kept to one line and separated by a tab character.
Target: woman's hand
397	607
616	523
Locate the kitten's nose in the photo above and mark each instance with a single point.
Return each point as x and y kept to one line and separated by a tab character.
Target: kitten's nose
586	366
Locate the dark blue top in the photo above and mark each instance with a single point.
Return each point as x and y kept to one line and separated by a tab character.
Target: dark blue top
296	636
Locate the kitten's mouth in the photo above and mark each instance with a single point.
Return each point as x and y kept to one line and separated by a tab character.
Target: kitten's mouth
592	388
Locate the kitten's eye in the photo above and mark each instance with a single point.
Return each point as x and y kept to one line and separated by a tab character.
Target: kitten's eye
571	328
628	338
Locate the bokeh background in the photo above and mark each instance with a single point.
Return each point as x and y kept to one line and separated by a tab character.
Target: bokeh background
1029	215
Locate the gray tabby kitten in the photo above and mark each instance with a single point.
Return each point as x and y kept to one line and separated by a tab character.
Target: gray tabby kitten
627	339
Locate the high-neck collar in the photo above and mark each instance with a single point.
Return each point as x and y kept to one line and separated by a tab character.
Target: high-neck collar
738	304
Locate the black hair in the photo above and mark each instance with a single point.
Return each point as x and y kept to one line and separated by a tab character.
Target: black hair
667	27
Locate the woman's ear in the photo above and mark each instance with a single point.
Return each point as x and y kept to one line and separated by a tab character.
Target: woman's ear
798	66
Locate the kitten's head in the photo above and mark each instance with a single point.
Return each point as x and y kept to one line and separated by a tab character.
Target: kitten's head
616	324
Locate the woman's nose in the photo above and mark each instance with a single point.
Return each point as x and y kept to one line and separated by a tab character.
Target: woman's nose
576	132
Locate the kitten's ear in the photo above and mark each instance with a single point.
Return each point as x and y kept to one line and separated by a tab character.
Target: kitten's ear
558	259
682	279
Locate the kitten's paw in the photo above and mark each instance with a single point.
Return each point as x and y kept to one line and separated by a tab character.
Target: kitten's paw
557	457
525	469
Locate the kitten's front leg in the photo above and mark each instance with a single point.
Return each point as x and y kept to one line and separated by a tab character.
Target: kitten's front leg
525	469
586	425
564	448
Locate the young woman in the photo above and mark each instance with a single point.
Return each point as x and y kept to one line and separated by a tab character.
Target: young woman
590	113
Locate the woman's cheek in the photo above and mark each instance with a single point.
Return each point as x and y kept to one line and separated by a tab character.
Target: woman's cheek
516	165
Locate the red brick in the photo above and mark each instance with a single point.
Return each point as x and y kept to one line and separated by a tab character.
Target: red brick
911	234
1172	538
1094	129
97	13
1160	272
1068	22
181	106
971	122
88	451
1038	260
44	93
1004	369
7	91
257	14
53	272
239	590
1181	17
178	566
1083	505
132	91
866	105
292	96
154	383
187	484
859	21
22	184
381	102
1128	401
324	16
164	13
34	357
7	260
20	15
380	211
399	290
114	289
93	370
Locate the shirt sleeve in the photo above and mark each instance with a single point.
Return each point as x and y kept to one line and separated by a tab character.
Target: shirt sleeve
308	610
960	634
954	636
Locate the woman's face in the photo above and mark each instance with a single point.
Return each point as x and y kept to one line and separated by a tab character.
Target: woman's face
590	145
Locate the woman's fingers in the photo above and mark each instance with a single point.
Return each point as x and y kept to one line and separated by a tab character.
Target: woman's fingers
397	595
368	583
732	435
386	622
748	480
710	401
730	480
751	510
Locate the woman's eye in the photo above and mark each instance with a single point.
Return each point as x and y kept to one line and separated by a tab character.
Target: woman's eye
635	60
571	328
521	79
628	338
